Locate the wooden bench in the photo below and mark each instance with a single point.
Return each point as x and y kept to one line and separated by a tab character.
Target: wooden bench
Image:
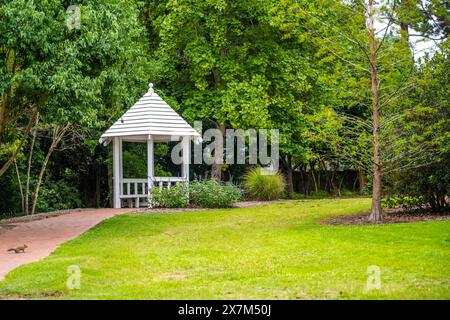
130	198
135	189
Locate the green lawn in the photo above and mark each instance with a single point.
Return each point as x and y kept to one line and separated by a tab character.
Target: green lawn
269	252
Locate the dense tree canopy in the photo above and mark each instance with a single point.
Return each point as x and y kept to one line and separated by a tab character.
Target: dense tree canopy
305	68
75	80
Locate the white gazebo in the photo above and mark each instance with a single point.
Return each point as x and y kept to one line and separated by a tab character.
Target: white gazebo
149	120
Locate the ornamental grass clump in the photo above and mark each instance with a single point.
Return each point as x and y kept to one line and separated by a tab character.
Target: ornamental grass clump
262	186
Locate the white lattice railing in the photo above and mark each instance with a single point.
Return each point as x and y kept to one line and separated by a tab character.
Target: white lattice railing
166	182
136	189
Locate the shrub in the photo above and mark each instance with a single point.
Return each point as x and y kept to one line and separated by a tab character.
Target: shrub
347	193
175	197
211	194
59	195
319	194
298	196
261	186
427	186
406	202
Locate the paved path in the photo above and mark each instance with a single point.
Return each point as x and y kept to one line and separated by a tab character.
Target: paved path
43	236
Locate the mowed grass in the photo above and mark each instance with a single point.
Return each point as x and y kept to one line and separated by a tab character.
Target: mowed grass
276	251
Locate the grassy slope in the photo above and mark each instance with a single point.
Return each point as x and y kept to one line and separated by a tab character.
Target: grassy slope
274	251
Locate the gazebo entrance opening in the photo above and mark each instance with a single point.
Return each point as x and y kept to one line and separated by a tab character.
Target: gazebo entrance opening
134	186
135	160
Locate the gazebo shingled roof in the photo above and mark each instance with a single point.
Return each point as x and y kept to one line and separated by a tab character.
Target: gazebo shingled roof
151	115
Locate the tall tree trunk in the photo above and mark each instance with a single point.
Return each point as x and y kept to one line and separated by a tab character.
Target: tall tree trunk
316	188
302	181
319	178
361	181
376	212
3	111
57	136
340	184
30	157
289	180
19	182
314	181
308	182
330	176
216	170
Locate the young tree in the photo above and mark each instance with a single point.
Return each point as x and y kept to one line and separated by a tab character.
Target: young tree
376	211
372	59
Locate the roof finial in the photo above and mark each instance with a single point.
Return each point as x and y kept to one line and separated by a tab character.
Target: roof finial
150	87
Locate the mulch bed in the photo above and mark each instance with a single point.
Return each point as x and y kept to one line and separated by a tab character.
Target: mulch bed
389	216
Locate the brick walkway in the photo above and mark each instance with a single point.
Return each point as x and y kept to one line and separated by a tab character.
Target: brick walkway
43	236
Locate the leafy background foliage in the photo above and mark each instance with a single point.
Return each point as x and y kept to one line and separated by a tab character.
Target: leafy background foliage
296	66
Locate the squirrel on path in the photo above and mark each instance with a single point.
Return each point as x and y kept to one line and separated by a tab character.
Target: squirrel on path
19	249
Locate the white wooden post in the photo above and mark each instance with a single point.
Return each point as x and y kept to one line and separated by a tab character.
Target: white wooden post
186	145
121	165
116	172
150	173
